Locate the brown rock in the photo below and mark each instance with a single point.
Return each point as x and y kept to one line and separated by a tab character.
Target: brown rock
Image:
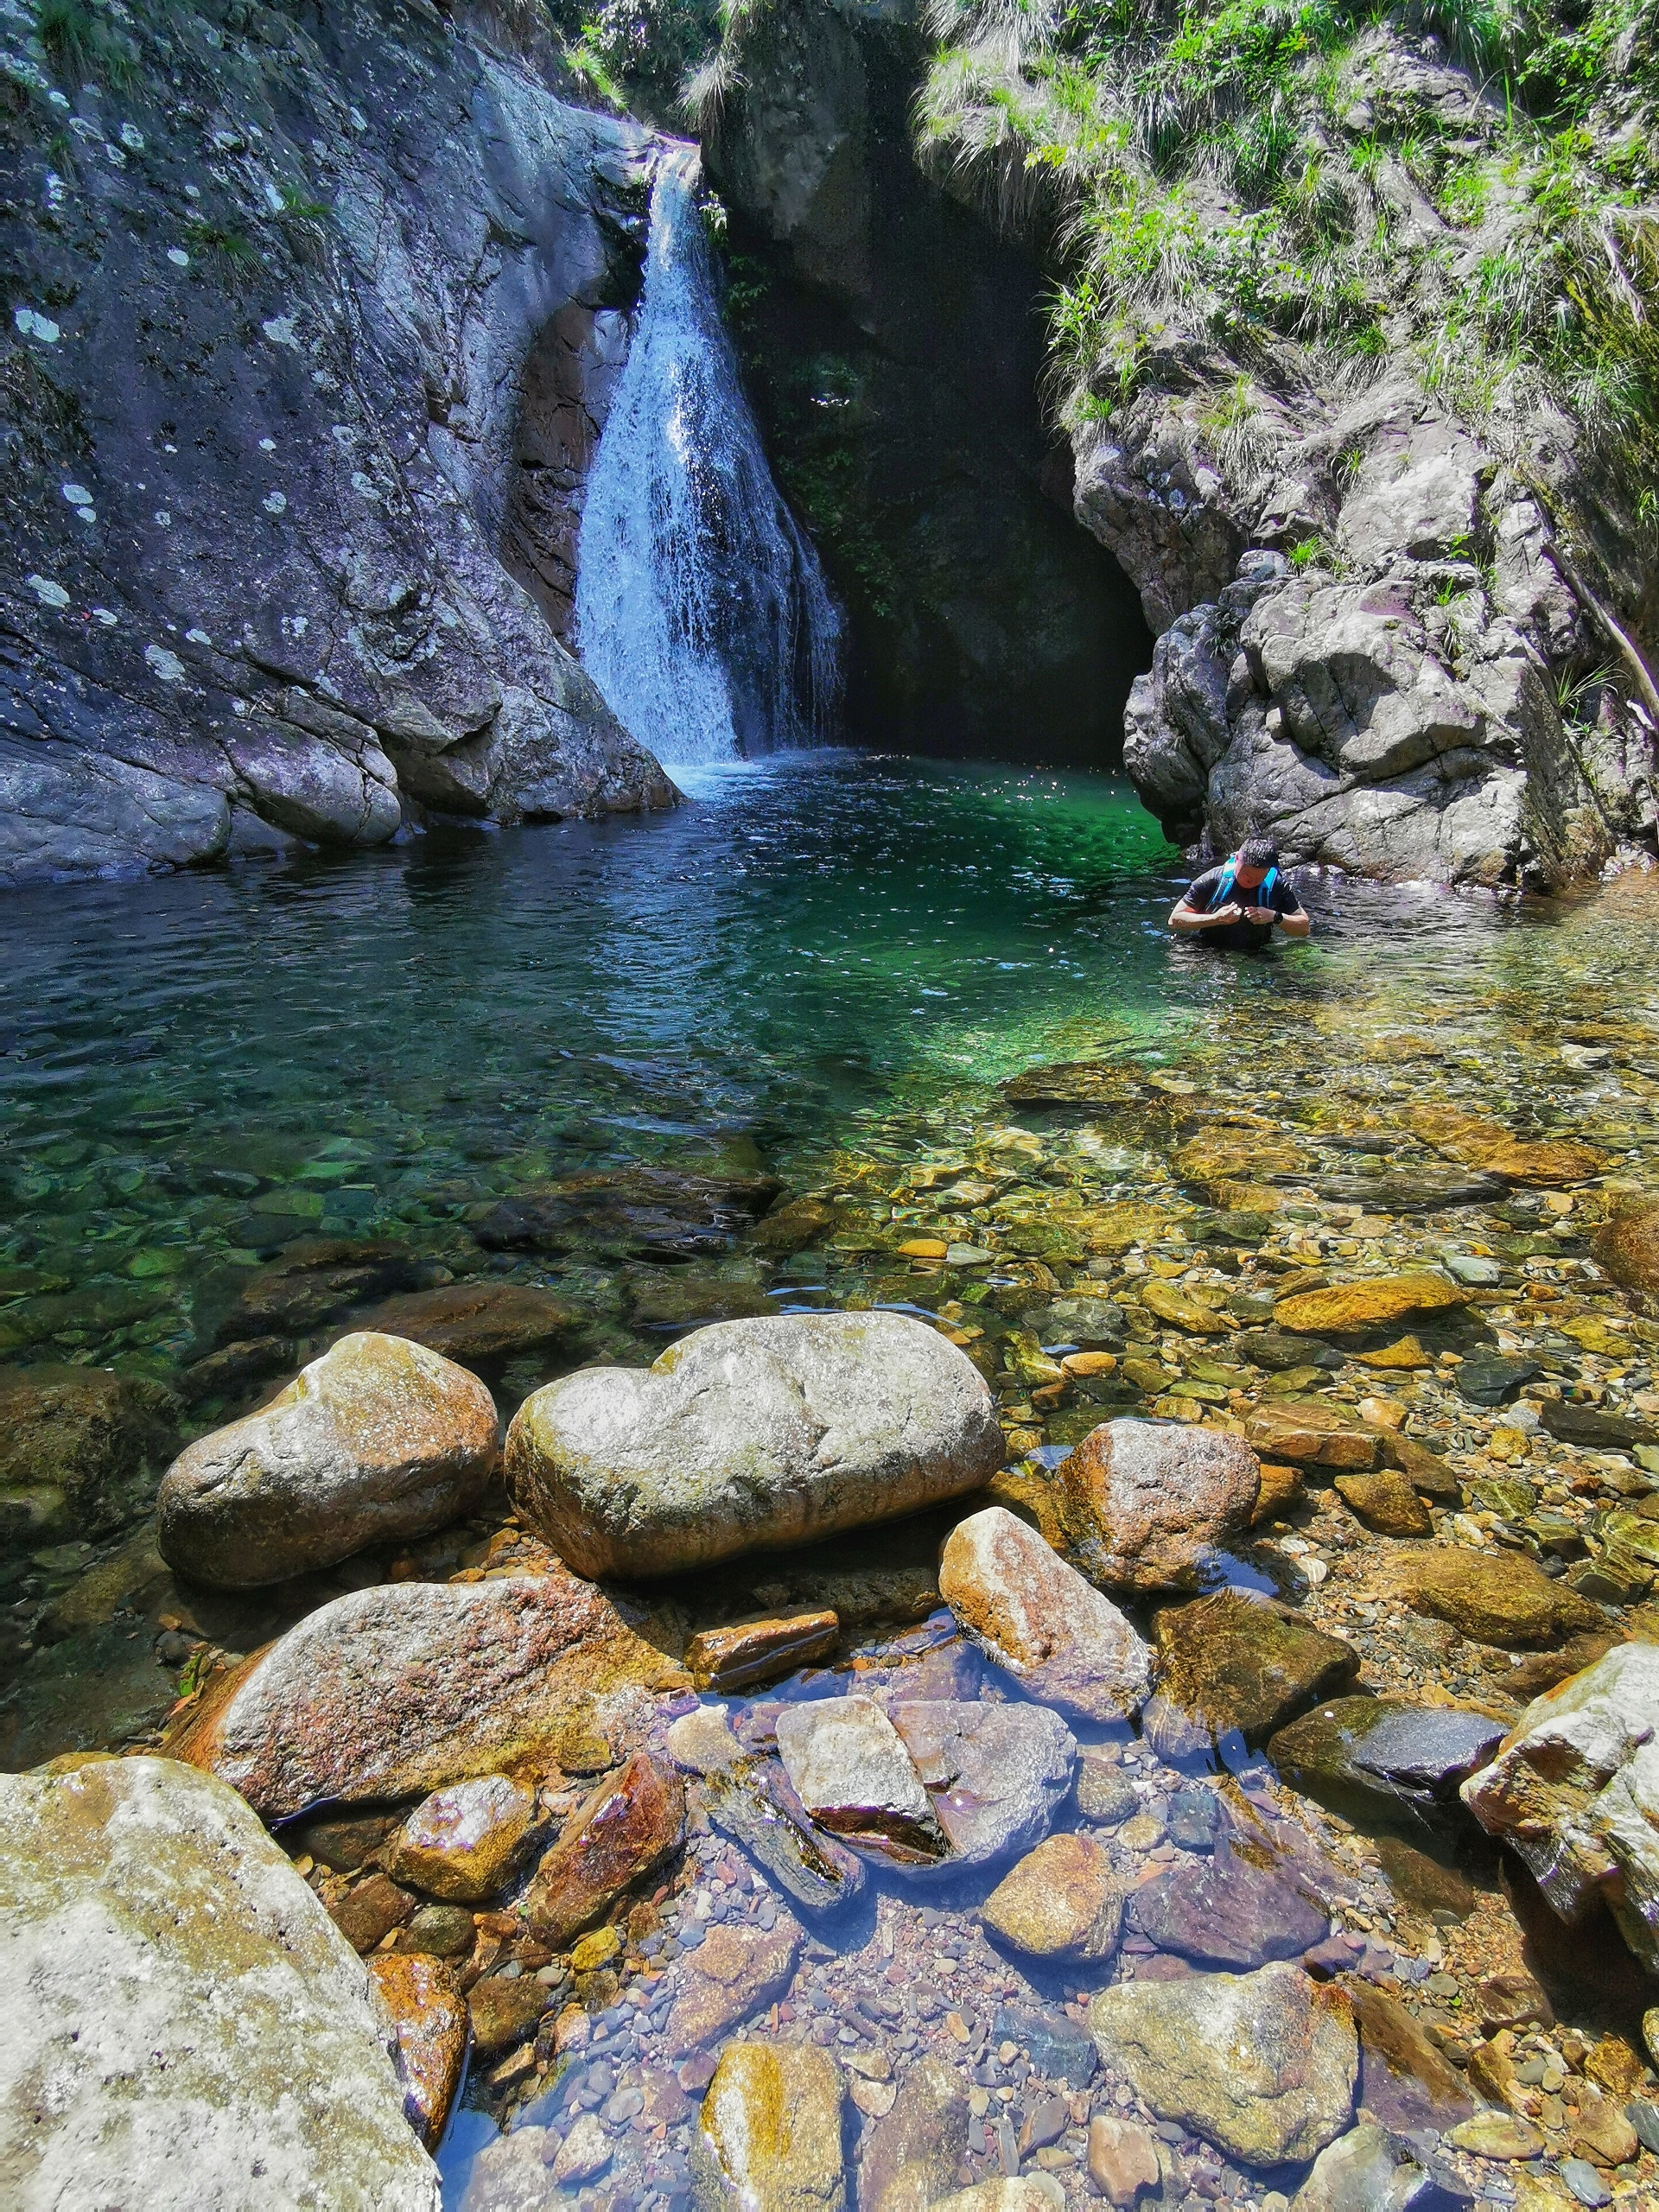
1498	1597
1386	1502
505	2011
379	1440
731	1975
1405	1353
1544	1669
1123	2158
1236	1662
1310	1435
1226	1155
315	1278
1062	1901
1497	2135
1404	2081
1425	1470
1371	1303
629	1825
748	1653
1034	1615
1627	1245
390	1691
1601	2131
1423	1881
1513	1999
477	1322
1146	1507
367	1915
1617	2066
77	1449
1281	1489
422	2001
912	2155
461	1843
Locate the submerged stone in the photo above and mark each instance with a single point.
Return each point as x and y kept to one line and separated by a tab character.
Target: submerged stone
1365	2170
625	1829
910	2157
769	2138
1228	1911
1262	2065
996	1773
1237	1665
751	1435
81	1449
1499	1597
1370	1753
377	1441
477	1323
1627	1245
1062	1901
849	1767
754	1801
730	1975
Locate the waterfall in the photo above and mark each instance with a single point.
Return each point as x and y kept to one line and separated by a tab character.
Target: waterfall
701	612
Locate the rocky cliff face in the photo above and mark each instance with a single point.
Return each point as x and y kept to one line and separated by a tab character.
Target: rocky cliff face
1353	327
897	349
310	319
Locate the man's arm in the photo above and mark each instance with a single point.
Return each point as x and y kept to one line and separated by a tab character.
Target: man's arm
1297	923
1185	919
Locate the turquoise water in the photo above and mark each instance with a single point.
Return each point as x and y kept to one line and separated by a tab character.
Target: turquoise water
194	1071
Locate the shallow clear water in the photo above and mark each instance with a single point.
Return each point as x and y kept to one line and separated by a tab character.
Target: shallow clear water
822	967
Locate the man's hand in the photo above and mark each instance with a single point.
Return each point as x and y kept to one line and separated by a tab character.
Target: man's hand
1260	915
1186	919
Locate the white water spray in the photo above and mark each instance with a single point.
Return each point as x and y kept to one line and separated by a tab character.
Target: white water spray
701	612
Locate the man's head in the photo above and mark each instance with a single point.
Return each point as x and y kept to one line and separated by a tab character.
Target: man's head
1252	862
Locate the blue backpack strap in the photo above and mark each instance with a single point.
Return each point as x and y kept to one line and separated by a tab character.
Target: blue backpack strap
1224	890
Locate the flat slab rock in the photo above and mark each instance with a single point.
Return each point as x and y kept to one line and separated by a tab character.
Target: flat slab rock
1238	1665
770	2139
751	1435
1262	2065
392	1691
996	1774
185	2024
1226	1911
1375	1753
1498	1596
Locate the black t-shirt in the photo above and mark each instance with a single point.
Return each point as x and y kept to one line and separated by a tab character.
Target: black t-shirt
1239	937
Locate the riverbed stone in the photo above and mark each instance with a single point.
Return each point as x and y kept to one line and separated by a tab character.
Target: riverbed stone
368	1913
80	1450
1146	1507
504	2010
729	1976
750	1435
1062	1901
422	1999
477	1323
1575	1791
1227	1911
1374	1302
316	1280
1493	2134
1031	1612
1627	1245
1386	1502
1170	1305
1235	1665
769	2136
996	1773
747	1654
1365	2170
1311	1435
1262	2065
849	1766
1038	2192
1405	2081
1122	2159
177	1999
1492	1597
911	2154
393	1691
626	1826
378	1440
1105	1795
1364	1755
752	1800
461	1844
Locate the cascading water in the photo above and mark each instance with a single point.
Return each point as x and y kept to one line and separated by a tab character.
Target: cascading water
701	612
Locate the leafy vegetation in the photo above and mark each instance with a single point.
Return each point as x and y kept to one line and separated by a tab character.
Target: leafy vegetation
82	45
639	53
1326	183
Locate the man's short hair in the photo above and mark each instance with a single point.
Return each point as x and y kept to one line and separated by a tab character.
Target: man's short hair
1258	852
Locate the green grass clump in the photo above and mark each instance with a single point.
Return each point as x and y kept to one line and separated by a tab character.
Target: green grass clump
82	47
1263	178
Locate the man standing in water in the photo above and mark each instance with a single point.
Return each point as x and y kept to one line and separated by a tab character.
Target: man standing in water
1238	905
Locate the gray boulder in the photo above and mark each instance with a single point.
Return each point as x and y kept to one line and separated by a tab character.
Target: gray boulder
1147	1507
1369	1754
849	1766
185	2024
750	1435
996	1774
378	1440
1364	2170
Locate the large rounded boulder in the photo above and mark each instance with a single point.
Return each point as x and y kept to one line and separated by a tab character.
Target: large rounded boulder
750	1435
379	1441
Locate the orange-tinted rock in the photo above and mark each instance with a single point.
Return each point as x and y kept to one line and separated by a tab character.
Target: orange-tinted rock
379	1440
1499	1597
1281	1488
1172	1305
1236	1663
1062	1901
1372	1303
1145	1508
731	1975
367	1915
1386	1502
505	2011
748	1653
391	1692
461	1844
1627	1245
631	1823
428	2013
1310	1435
